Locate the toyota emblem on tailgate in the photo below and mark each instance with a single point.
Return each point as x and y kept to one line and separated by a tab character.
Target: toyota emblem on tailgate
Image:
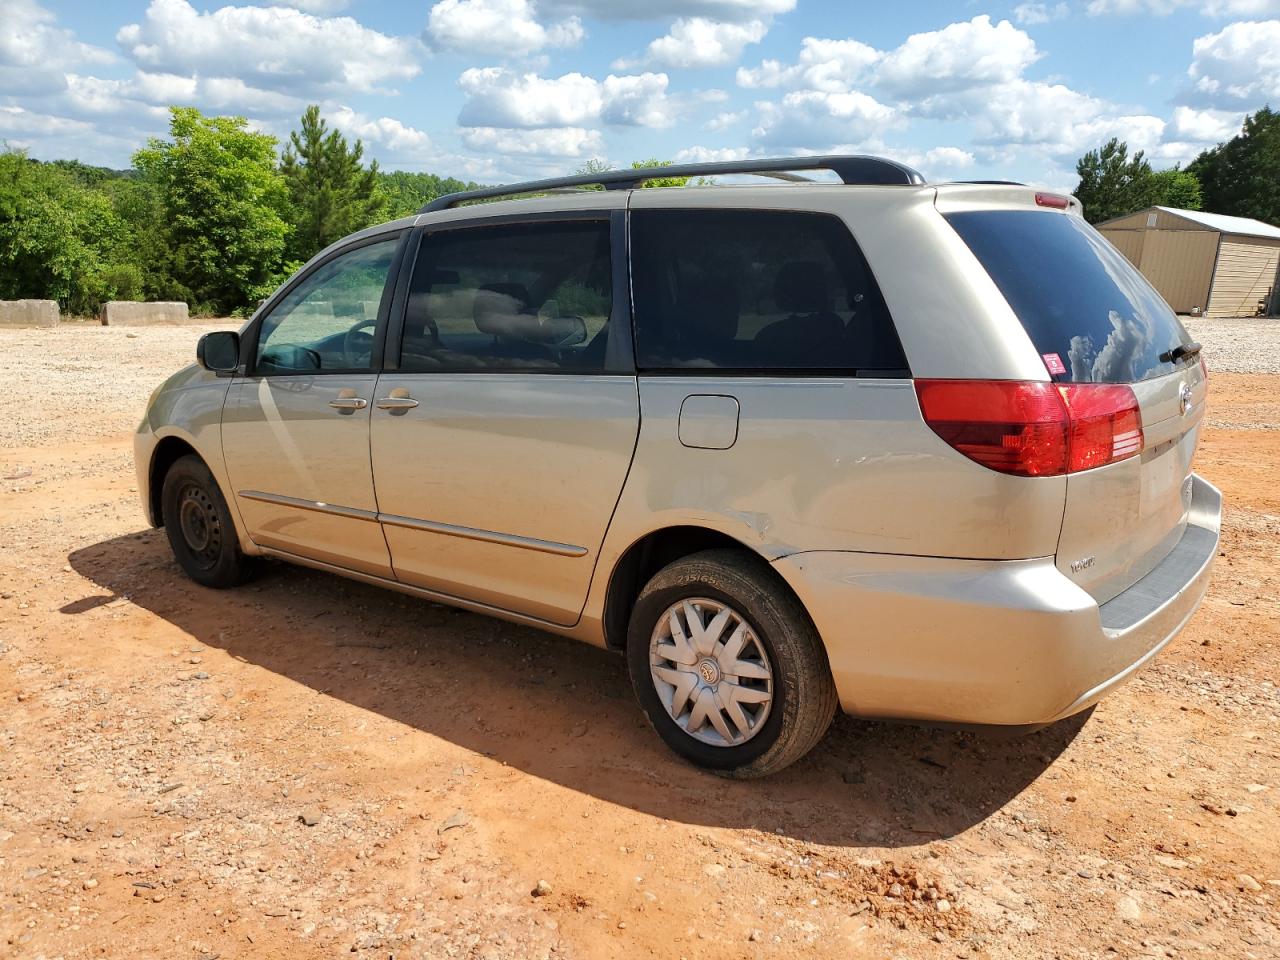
1184	398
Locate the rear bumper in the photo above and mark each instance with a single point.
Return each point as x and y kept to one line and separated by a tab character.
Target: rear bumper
993	642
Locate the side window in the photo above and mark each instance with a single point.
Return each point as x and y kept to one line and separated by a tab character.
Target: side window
756	290
528	296
327	322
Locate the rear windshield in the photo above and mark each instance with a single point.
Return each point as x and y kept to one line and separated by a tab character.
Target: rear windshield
1092	316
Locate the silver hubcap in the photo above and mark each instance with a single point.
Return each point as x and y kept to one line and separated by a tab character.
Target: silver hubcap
711	672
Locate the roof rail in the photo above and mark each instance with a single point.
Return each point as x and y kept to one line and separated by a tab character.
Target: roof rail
850	169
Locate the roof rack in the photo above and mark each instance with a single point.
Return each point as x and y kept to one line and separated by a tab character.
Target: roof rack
850	169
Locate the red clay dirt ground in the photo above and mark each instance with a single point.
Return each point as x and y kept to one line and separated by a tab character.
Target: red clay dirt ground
308	767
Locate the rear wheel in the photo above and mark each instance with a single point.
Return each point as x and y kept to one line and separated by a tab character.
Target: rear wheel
727	665
199	526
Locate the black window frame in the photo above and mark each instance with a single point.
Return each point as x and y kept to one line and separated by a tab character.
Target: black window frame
249	338
619	356
843	373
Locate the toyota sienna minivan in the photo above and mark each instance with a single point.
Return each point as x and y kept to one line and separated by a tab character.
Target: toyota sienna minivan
851	441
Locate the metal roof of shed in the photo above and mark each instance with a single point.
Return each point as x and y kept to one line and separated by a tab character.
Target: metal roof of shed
1225	224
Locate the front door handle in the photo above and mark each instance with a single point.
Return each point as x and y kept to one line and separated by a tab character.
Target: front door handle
397	401
349	403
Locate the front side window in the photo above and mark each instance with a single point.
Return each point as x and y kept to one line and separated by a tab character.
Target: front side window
756	291
327	322
532	296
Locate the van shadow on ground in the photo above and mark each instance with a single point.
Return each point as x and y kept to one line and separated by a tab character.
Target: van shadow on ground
526	698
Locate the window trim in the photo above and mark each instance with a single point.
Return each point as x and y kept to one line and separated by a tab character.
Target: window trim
249	338
817	373
619	355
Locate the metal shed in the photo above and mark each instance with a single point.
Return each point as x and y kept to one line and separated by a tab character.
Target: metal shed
1203	263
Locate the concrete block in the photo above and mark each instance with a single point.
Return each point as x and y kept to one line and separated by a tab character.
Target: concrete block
29	313
128	313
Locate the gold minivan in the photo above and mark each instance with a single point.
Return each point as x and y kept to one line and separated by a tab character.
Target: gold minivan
908	450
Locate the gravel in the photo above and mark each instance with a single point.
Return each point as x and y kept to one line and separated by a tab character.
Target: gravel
108	371
1238	346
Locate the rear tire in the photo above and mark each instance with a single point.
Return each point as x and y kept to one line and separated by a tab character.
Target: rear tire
198	523
718	645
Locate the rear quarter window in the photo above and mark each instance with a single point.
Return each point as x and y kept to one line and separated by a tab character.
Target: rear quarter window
1080	301
756	291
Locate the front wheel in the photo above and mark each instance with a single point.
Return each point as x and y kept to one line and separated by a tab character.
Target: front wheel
728	666
199	526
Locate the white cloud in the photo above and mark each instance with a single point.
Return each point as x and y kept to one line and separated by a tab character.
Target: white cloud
946	158
507	27
21	120
957	57
734	11
274	48
699	42
637	100
831	65
498	97
35	52
1206	126
312	6
806	119
1237	67
726	119
1242	8
1162	8
711	154
1129	7
1032	14
546	142
387	131
843	93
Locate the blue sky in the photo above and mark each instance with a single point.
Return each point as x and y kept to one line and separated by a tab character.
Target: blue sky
497	90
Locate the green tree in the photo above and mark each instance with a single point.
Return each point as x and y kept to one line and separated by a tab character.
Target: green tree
331	192
1241	177
1112	183
658	181
1177	188
221	201
407	193
60	239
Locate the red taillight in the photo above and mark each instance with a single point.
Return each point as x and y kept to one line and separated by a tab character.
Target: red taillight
1052	200
1034	428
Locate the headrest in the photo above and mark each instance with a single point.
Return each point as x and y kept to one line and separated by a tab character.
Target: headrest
497	305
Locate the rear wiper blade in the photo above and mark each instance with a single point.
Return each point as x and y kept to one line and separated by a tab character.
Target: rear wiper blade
1181	351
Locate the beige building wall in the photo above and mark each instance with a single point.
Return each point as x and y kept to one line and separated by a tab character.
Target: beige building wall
1179	263
1128	242
1154	220
1246	272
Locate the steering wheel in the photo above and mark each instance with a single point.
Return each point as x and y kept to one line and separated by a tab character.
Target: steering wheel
357	347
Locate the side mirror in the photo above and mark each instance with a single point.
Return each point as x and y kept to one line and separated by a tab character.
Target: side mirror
219	352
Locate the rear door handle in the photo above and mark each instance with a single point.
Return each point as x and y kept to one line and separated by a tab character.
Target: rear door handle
397	403
349	403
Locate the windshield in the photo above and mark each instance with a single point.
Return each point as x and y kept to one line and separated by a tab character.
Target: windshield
1091	315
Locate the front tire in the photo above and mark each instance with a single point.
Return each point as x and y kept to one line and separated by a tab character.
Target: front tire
198	523
728	666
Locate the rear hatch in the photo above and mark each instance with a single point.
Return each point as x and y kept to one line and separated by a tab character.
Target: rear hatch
1094	319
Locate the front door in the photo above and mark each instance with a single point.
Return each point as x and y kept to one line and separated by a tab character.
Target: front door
296	429
501	442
